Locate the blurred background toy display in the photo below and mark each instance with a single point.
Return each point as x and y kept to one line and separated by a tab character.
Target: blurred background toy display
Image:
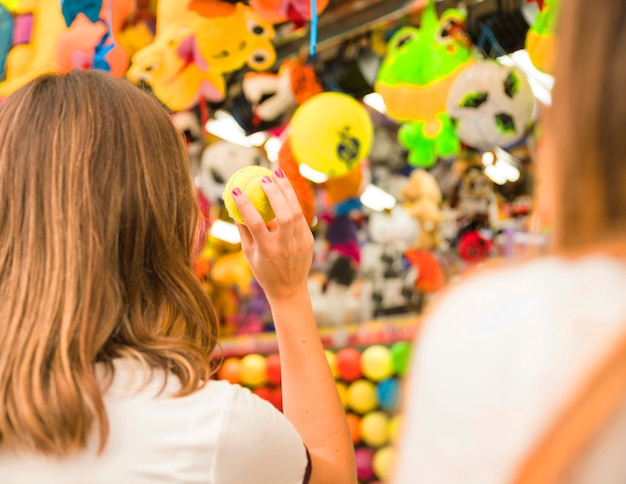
407	127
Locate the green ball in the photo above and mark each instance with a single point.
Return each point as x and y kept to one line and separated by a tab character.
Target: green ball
248	180
400	354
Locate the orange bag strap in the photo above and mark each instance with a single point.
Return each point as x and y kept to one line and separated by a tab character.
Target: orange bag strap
592	407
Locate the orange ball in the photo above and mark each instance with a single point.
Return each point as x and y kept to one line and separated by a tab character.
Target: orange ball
354	425
230	370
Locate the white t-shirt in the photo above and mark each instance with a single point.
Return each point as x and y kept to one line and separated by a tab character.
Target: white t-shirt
497	357
220	434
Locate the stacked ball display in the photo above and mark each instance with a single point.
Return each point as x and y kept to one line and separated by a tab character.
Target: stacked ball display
368	381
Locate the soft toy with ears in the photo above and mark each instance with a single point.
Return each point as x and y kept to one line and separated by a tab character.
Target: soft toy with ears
272	96
172	64
423	199
229	43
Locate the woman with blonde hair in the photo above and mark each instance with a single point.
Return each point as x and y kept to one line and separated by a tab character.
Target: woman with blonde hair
519	374
106	337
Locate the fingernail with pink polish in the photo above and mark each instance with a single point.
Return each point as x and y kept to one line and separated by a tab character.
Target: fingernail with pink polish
266	179
236	192
279	173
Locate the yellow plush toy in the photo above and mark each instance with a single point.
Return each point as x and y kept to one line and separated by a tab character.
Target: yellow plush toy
36	26
423	198
190	53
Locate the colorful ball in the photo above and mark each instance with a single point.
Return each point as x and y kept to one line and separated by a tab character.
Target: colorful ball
354	425
393	428
374	429
400	355
343	393
263	392
388	394
376	363
276	398
248	180
364	458
331	358
349	364
230	370
382	462
273	369
361	396
331	132
253	370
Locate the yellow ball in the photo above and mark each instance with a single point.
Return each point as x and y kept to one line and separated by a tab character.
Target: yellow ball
343	393
332	362
383	464
248	180
253	370
361	396
393	428
331	132
374	429
376	363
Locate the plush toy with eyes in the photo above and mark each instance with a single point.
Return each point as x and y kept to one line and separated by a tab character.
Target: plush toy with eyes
415	77
190	53
229	43
171	63
220	160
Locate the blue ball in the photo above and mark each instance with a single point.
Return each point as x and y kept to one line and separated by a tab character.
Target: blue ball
388	394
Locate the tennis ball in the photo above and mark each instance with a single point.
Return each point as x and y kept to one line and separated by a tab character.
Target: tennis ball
248	180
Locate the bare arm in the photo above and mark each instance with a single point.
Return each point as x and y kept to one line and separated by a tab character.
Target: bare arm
280	256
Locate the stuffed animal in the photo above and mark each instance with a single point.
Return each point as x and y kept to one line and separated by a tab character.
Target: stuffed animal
33	48
188	124
277	11
414	79
172	64
274	95
304	190
423	199
475	198
91	43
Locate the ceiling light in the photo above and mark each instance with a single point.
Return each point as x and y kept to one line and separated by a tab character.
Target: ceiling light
377	199
225	231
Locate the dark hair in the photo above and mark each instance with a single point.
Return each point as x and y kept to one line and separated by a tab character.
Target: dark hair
97	228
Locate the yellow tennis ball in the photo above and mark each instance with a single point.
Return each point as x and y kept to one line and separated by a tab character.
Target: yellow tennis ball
248	180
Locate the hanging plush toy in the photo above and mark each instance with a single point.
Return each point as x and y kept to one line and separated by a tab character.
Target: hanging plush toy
414	80
35	26
272	96
90	43
172	65
491	105
540	38
304	190
297	11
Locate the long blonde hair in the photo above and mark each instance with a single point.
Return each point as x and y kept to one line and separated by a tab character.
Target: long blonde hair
97	225
588	122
